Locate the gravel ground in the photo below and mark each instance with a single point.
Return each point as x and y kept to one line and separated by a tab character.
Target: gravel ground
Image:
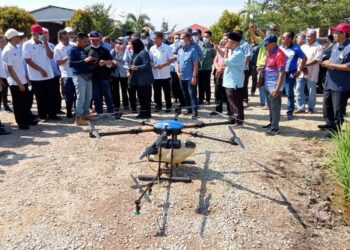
61	189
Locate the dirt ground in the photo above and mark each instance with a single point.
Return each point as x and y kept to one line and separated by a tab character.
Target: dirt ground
61	189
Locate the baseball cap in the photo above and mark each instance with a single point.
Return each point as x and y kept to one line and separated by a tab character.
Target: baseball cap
68	29
11	33
196	32
94	35
268	39
36	28
342	27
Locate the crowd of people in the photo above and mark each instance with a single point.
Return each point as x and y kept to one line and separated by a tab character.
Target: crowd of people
89	71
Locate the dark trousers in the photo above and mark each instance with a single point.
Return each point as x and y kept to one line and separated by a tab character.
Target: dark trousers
102	88
132	97
220	96
70	94
58	98
334	107
190	94
144	95
123	83
158	85
44	92
204	85
235	102
21	105
176	89
4	93
254	74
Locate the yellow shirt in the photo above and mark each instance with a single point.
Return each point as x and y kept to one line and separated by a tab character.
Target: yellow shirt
262	54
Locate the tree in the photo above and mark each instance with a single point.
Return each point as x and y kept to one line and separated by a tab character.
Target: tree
101	19
81	21
298	15
165	26
16	18
140	21
227	22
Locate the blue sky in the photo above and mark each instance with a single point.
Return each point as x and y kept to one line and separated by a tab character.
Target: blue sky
180	12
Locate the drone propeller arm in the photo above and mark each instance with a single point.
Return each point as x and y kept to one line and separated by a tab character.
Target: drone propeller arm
204	124
129	131
143	123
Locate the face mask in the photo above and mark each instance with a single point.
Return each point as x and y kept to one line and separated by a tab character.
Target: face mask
41	37
95	46
206	40
195	38
71	40
145	41
166	37
182	42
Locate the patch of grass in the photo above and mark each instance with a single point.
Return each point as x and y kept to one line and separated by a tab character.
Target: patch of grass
340	164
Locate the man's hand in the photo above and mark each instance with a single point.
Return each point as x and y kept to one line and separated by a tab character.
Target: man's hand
133	68
43	73
194	81
327	64
21	87
160	66
252	27
179	75
275	93
89	59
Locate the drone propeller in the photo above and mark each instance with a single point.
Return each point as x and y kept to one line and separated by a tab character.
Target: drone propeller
235	139
150	149
94	132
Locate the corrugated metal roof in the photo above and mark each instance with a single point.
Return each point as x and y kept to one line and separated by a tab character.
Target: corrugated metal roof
52	13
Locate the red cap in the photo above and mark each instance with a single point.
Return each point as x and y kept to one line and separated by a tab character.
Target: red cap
342	27
36	28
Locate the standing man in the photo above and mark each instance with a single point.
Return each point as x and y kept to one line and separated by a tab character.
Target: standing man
61	58
293	54
17	80
337	87
3	81
206	66
313	51
187	68
161	58
274	72
37	55
101	69
78	62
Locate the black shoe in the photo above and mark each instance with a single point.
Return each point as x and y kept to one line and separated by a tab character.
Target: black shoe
8	109
143	116
60	112
4	132
24	127
195	115
232	120
126	108
55	118
34	117
214	113
272	132
167	110
290	116
34	122
267	126
325	126
70	114
156	109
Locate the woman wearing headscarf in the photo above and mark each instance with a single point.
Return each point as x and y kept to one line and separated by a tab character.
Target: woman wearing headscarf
141	77
119	75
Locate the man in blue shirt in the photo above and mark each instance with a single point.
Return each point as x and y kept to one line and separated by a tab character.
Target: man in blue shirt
187	69
337	85
293	53
78	62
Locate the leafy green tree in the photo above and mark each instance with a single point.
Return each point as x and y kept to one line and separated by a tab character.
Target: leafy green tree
101	19
139	22
227	22
81	21
16	18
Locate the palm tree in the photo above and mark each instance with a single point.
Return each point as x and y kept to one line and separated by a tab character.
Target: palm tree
140	21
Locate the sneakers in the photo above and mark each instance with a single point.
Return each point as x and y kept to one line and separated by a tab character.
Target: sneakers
81	121
272	132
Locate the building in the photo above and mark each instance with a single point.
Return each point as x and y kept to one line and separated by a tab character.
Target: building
53	18
193	27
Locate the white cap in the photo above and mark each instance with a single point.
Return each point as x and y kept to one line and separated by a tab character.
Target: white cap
68	29
11	33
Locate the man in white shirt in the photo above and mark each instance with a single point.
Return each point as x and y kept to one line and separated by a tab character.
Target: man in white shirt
61	58
3	81
17	81
37	54
314	52
161	58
